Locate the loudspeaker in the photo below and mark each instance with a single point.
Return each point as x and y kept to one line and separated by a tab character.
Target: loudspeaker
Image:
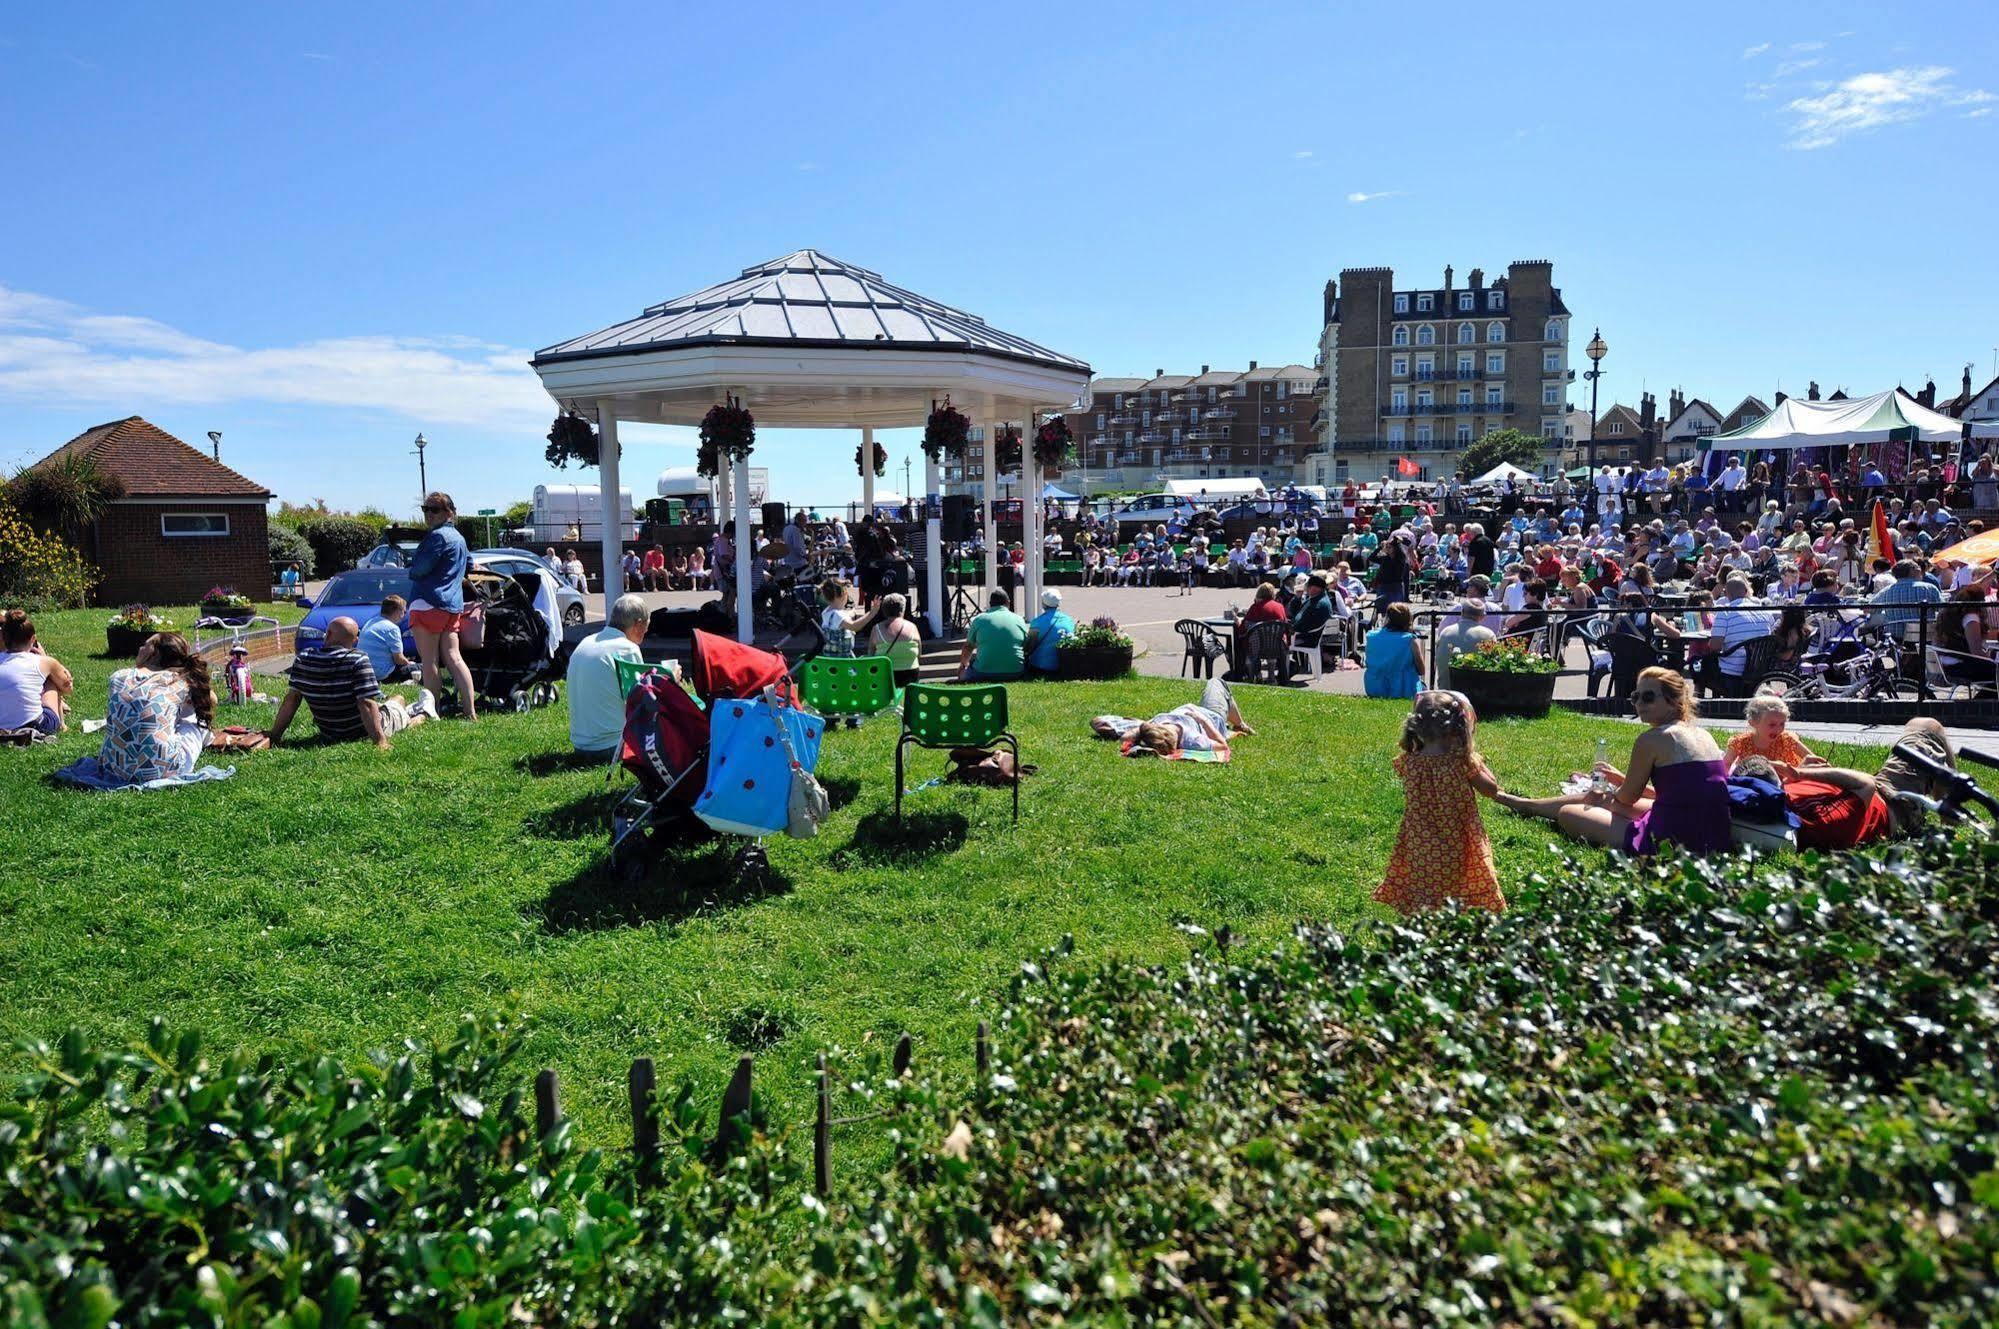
774	519
960	517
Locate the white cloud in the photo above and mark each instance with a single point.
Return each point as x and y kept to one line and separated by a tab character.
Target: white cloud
55	353
1808	46
1869	101
1301	154
1750	52
1786	68
1358	197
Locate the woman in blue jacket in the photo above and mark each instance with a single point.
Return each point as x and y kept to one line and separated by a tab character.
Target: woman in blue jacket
437	599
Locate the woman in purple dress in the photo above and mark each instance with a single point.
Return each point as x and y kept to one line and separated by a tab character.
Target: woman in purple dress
1675	792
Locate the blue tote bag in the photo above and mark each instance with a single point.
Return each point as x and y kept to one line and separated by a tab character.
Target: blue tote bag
749	764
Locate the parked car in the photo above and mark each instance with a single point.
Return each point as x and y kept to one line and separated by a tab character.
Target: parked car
1152	510
357	594
572	604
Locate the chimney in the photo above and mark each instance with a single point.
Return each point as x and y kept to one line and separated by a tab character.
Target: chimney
1781	399
1967	383
1675	403
1812	390
1928	396
1648	410
1447	276
1478	279
1204	369
1332	298
1252	364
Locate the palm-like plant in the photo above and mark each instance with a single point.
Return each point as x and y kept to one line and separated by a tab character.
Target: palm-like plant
64	495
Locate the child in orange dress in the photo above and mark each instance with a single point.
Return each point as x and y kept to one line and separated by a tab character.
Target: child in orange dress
1767	737
1441	853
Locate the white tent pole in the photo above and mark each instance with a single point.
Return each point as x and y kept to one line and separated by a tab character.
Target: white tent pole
991	451
867	471
746	631
933	549
611	527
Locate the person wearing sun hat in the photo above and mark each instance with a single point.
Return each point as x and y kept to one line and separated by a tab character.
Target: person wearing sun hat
1047	630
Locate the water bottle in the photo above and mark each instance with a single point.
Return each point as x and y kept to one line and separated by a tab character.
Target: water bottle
1599	783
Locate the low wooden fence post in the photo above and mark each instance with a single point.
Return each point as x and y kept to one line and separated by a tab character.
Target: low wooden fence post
982	1053
822	1137
899	1063
547	1104
735	1101
645	1126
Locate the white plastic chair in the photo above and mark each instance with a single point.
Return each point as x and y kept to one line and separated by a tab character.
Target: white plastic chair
1944	686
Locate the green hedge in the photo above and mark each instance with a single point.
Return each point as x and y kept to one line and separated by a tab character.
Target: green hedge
1682	1093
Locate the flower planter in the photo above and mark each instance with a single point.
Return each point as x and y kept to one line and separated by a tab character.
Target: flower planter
124	643
1093	662
234	617
1493	693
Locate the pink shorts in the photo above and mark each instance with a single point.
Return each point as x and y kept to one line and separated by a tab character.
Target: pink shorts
439	621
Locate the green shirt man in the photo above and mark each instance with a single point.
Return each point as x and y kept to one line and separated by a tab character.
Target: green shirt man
996	644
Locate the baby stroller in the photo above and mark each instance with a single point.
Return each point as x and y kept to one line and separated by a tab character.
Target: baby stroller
513	666
666	746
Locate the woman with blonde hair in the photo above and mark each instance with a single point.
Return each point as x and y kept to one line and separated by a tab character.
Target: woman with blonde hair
1676	790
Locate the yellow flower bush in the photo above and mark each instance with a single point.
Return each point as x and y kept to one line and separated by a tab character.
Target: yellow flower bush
39	572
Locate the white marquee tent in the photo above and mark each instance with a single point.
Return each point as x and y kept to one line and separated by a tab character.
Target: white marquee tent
1506	470
1885	417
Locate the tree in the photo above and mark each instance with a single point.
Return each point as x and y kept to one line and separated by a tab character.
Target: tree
1502	445
64	495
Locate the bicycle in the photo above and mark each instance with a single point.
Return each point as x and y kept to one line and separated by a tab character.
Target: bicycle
1874	674
1959	788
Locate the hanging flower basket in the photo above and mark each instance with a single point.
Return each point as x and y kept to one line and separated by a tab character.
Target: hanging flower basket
1051	445
1006	450
728	435
571	438
881	460
946	432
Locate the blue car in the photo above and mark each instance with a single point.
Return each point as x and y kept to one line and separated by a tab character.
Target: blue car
356	595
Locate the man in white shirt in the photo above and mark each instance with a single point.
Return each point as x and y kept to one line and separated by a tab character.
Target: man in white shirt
1730	481
596	708
1737	619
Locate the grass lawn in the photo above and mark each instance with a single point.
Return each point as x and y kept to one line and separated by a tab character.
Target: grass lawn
336	898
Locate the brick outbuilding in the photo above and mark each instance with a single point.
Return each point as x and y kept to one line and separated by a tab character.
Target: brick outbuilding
186	521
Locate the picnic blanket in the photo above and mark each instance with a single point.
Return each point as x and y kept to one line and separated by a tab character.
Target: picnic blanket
88	773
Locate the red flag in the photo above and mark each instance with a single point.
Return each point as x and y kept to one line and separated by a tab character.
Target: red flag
1884	539
1403	466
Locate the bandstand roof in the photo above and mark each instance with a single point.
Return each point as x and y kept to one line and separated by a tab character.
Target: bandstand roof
809	341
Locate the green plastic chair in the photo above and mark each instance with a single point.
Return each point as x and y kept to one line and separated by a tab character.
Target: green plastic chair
631	671
848	685
973	715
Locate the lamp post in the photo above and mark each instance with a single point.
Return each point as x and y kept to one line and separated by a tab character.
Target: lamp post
422	476
1596	350
215	442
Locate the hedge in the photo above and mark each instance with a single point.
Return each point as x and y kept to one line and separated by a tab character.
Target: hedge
338	542
288	546
1694	1092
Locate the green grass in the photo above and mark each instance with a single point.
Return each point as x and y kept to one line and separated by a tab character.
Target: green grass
340	899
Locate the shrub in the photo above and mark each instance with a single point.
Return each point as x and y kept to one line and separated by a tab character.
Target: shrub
288	546
63	495
1707	1092
338	541
1101	631
1509	656
38	572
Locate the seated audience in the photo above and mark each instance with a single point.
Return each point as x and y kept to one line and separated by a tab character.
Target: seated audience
996	644
33	683
338	685
1767	737
1845	809
1050	628
596	703
1394	656
382	642
1461	637
896	637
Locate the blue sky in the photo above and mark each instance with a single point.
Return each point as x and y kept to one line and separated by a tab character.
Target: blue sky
321	229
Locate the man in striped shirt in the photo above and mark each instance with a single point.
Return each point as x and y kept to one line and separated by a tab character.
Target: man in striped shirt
338	685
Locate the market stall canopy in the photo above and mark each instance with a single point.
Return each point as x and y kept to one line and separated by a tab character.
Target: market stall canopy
1232	487
1052	490
1885	417
1980	548
1506	470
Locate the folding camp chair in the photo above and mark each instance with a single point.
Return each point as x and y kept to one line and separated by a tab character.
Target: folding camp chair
629	674
936	715
848	685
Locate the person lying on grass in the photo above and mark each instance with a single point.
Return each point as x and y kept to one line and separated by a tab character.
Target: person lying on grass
1199	726
1845	809
338	685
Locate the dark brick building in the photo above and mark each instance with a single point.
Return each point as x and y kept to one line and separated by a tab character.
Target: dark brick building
1135	433
186	522
1422	372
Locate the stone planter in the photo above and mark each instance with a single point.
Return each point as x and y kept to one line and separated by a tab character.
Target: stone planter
1492	694
1093	662
124	643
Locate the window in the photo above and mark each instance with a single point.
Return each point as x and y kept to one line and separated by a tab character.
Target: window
1117	402
1145	418
1399	399
1100	419
1401	366
1263	431
1401	336
1495	332
1466	334
1282	384
1402	303
1616	427
1495	362
1464	433
1426	336
195	524
1423	397
1551	362
1426	366
1464	396
1551	394
1554	330
1495	396
1495	299
1465	369
1395	434
1211	392
1424	304
1465	301
1551	429
1422	433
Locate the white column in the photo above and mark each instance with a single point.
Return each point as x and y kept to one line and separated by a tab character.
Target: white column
986	512
722	505
1030	511
745	625
933	551
868	471
613	512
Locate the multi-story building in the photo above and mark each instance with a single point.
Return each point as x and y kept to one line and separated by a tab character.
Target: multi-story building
1421	373
1137	433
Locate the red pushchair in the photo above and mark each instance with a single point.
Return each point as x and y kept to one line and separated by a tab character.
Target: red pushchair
665	744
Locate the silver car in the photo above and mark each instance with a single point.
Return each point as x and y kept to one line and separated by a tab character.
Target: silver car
572	603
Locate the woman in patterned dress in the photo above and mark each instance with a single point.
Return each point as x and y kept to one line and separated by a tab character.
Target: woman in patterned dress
159	713
1441	853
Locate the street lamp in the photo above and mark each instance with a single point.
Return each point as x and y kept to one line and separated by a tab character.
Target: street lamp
422	476
1596	350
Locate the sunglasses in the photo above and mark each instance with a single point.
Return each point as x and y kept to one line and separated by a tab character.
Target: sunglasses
435	507
1645	698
